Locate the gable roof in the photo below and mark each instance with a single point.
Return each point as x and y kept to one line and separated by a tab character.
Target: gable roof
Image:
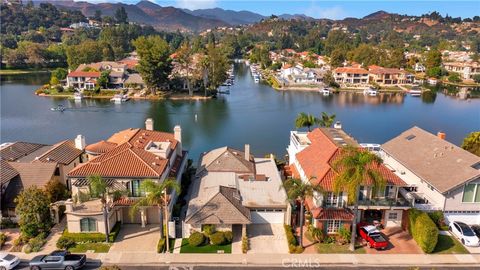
89	74
7	172
442	164
63	152
351	70
226	159
317	160
225	207
17	150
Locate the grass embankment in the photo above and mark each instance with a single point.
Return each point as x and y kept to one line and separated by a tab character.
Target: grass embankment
96	247
449	245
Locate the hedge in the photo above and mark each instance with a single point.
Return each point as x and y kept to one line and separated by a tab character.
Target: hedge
196	239
161	245
423	230
92	237
217	238
228	236
292	242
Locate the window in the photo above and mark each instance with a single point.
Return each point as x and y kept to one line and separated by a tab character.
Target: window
136	190
471	193
88	225
333	226
332	199
392	216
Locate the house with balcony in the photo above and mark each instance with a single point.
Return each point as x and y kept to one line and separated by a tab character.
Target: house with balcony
124	161
440	175
86	75
467	70
232	188
388	76
311	158
351	76
82	80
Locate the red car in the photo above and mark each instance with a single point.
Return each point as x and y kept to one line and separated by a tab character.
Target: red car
373	237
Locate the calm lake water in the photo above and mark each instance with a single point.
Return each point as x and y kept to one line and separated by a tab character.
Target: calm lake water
252	113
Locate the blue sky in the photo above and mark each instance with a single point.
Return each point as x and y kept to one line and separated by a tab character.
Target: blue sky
329	9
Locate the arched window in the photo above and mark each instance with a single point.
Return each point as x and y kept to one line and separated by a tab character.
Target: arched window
88	225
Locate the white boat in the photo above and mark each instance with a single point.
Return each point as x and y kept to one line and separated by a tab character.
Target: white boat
256	78
372	147
370	91
119	98
415	91
59	108
325	91
77	96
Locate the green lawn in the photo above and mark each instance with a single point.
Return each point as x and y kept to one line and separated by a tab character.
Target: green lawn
449	245
335	248
186	248
97	247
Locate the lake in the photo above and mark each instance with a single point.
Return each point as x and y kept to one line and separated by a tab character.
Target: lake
252	113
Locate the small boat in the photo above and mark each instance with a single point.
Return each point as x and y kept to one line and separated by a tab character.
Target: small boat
223	91
59	108
370	91
372	147
119	98
77	96
256	79
415	91
325	91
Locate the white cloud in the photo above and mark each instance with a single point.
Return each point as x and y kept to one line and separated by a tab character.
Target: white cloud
334	13
196	4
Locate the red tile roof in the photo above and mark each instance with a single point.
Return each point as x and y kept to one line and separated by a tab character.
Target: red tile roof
332	213
374	69
90	74
351	70
100	147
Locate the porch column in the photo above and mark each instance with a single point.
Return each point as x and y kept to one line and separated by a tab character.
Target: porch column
143	217
244	230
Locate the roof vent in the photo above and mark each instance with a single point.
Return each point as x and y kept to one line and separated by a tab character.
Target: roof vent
154	163
410	137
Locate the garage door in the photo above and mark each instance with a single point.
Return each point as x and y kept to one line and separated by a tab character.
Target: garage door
393	218
153	215
267	216
468	218
128	219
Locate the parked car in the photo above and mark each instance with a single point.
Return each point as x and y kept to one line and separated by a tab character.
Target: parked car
476	229
58	259
373	237
8	261
463	232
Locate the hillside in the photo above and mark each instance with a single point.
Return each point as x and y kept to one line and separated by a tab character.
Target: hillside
229	16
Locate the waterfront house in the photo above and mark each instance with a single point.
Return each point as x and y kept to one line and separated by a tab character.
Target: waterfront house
82	80
388	76
311	158
233	188
125	160
439	174
86	75
351	75
300	75
467	70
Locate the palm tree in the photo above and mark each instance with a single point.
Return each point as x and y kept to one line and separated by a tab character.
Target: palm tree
99	189
298	190
326	120
356	168
156	194
471	143
305	120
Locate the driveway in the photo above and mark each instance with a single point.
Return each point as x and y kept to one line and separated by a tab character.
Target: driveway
133	237
267	238
400	242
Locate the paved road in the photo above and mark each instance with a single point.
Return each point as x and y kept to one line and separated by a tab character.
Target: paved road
24	266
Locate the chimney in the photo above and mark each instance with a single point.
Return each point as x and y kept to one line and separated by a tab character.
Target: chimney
247	151
69	205
149	124
441	135
80	142
177	133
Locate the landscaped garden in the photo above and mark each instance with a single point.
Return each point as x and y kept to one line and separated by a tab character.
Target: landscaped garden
82	242
208	241
208	248
336	248
96	247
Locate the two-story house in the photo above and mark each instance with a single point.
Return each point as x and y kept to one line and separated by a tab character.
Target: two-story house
312	156
124	160
388	76
440	175
354	75
86	75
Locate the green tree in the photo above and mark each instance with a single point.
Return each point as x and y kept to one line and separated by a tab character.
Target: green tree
356	168
217	65
184	58
84	53
298	190
305	120
99	189
57	75
33	211
471	143
155	64
435	72
326	120
337	57
454	77
157	194
121	15
365	54
433	59
476	78
56	191
103	79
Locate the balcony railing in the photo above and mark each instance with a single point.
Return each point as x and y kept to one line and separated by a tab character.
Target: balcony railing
339	204
388	202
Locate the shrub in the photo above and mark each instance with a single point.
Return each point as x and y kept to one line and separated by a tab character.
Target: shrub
245	246
114	232
196	239
345	234
295	249
94	237
316	234
35	244
6	223
110	267
329	240
293	246
439	220
217	238
425	233
412	217
161	245
65	243
3	239
228	236
208	229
